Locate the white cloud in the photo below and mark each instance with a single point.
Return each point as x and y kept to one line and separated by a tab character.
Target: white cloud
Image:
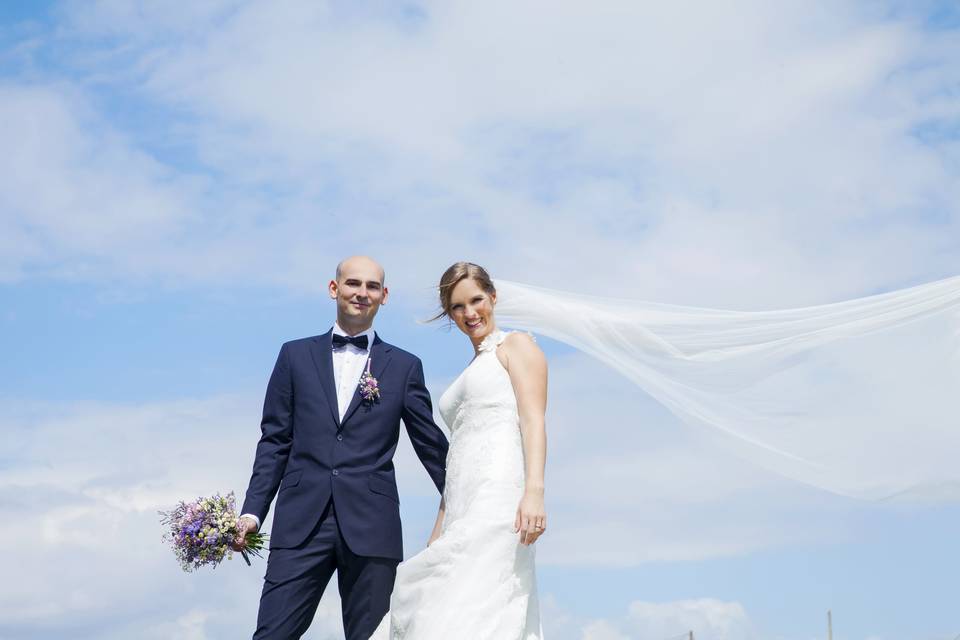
624	488
82	498
728	155
602	630
708	618
88	480
75	191
744	155
628	484
190	626
81	501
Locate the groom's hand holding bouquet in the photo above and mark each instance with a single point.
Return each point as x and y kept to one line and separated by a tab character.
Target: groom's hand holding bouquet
206	531
245	525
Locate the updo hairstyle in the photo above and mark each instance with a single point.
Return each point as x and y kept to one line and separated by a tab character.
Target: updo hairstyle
453	275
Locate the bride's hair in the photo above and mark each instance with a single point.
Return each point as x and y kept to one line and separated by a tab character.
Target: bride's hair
455	273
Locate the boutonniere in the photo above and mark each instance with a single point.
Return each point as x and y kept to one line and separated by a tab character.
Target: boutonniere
369	387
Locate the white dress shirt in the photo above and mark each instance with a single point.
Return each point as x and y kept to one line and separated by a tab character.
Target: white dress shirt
349	363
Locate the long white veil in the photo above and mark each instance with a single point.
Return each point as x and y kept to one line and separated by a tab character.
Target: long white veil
861	397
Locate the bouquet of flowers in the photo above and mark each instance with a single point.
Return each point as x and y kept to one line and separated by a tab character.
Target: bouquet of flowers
200	532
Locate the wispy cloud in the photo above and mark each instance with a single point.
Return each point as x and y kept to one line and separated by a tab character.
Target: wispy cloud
705	617
624	474
86	481
740	155
77	194
795	145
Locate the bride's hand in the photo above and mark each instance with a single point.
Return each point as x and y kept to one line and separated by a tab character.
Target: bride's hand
438	525
531	519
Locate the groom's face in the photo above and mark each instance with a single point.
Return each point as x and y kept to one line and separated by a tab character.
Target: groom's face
359	292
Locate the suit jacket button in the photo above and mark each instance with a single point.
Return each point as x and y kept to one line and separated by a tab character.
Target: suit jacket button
339	436
336	472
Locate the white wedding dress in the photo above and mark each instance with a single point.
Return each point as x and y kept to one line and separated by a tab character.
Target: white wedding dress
476	581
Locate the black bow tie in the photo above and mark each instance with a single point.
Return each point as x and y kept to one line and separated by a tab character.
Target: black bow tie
357	341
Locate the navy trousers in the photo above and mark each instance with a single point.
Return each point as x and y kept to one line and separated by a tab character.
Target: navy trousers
296	579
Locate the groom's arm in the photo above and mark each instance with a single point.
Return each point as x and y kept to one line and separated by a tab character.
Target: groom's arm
276	438
427	438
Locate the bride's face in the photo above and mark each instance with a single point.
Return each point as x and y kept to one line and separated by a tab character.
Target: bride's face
471	308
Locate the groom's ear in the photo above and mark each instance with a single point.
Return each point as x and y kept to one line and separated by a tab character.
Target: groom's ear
332	288
386	292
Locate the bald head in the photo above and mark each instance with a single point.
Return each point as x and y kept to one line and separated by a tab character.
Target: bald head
359	292
361	264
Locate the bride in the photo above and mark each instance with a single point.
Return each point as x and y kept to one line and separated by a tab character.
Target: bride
856	397
476	578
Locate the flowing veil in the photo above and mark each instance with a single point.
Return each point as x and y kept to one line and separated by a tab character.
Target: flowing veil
860	397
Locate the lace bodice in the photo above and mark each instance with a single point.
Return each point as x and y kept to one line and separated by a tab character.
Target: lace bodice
483	390
480	409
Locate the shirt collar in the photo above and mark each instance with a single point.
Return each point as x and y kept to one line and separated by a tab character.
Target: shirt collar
370	333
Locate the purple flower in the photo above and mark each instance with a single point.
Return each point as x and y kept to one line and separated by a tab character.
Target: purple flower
369	387
199	532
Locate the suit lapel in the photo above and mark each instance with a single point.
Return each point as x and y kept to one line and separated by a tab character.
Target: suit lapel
322	351
379	359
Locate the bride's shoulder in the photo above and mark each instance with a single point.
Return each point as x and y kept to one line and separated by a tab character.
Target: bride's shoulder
522	344
519	337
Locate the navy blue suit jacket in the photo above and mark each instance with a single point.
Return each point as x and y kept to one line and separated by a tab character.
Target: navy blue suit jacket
313	457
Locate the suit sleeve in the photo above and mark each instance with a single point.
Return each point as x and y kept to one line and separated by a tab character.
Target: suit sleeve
276	439
427	438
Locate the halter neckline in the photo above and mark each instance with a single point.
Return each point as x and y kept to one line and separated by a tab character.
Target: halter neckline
492	340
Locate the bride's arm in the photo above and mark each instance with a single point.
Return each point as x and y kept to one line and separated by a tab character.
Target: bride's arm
438	525
527	367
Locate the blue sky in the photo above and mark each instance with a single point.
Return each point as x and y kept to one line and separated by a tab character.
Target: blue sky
179	185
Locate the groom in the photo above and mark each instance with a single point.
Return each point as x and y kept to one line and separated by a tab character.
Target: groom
328	444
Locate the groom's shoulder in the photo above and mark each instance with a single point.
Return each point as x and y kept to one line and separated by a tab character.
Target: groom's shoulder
397	352
301	343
